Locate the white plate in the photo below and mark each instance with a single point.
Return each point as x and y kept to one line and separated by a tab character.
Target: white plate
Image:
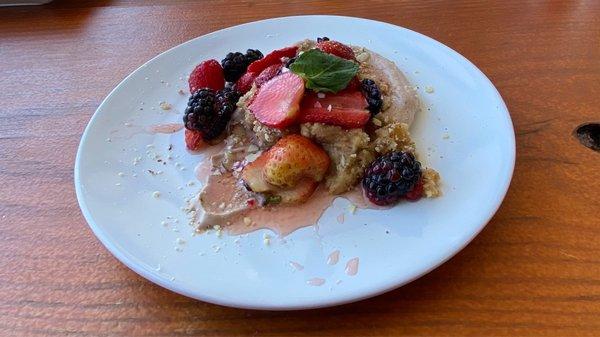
465	133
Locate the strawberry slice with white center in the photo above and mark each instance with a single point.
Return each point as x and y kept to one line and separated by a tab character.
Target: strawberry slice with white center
277	102
345	109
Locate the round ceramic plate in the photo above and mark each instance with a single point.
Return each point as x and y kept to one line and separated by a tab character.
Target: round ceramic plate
464	132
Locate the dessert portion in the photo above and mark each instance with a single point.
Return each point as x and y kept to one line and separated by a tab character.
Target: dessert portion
292	130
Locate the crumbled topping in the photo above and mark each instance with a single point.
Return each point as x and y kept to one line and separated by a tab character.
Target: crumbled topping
165	106
352	208
431	183
156	194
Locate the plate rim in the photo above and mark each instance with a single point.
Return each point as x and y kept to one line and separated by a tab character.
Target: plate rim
125	257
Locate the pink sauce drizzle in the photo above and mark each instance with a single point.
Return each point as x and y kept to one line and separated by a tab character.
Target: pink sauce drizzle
283	219
164	128
340	218
316	281
333	258
352	266
297	266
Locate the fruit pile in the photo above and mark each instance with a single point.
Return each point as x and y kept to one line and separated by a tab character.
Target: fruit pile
317	86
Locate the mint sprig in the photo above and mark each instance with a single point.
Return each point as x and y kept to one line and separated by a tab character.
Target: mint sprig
324	72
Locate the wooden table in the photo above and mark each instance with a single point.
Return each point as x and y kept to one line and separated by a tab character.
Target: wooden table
533	271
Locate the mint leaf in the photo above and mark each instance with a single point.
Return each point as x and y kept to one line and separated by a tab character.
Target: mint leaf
324	72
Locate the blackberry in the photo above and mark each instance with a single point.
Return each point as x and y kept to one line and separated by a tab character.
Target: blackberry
390	177
225	106
199	110
321	39
234	66
373	95
253	55
208	112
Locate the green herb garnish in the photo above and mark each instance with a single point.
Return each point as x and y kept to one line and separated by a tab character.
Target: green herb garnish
324	72
273	199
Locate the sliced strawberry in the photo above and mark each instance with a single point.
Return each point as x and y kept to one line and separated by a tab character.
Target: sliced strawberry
252	174
193	140
244	84
345	109
347	99
346	118
277	102
299	194
336	48
267	74
207	74
353	85
273	57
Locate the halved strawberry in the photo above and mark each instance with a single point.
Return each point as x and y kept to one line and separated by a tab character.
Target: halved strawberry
193	140
273	57
244	84
300	193
336	48
254	178
277	102
267	74
208	74
292	158
345	109
291	169
252	175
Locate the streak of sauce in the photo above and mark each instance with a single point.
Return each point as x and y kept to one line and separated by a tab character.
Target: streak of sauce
340	218
316	281
297	266
164	128
352	266
333	258
245	216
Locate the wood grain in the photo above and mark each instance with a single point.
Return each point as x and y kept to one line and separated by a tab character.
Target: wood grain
534	270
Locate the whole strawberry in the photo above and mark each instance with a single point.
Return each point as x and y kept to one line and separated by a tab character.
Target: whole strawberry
208	74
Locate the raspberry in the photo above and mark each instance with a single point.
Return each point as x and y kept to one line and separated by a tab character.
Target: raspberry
207	74
373	95
391	177
234	66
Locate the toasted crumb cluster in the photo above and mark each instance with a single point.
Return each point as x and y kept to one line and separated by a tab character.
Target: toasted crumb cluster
392	137
349	151
431	183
